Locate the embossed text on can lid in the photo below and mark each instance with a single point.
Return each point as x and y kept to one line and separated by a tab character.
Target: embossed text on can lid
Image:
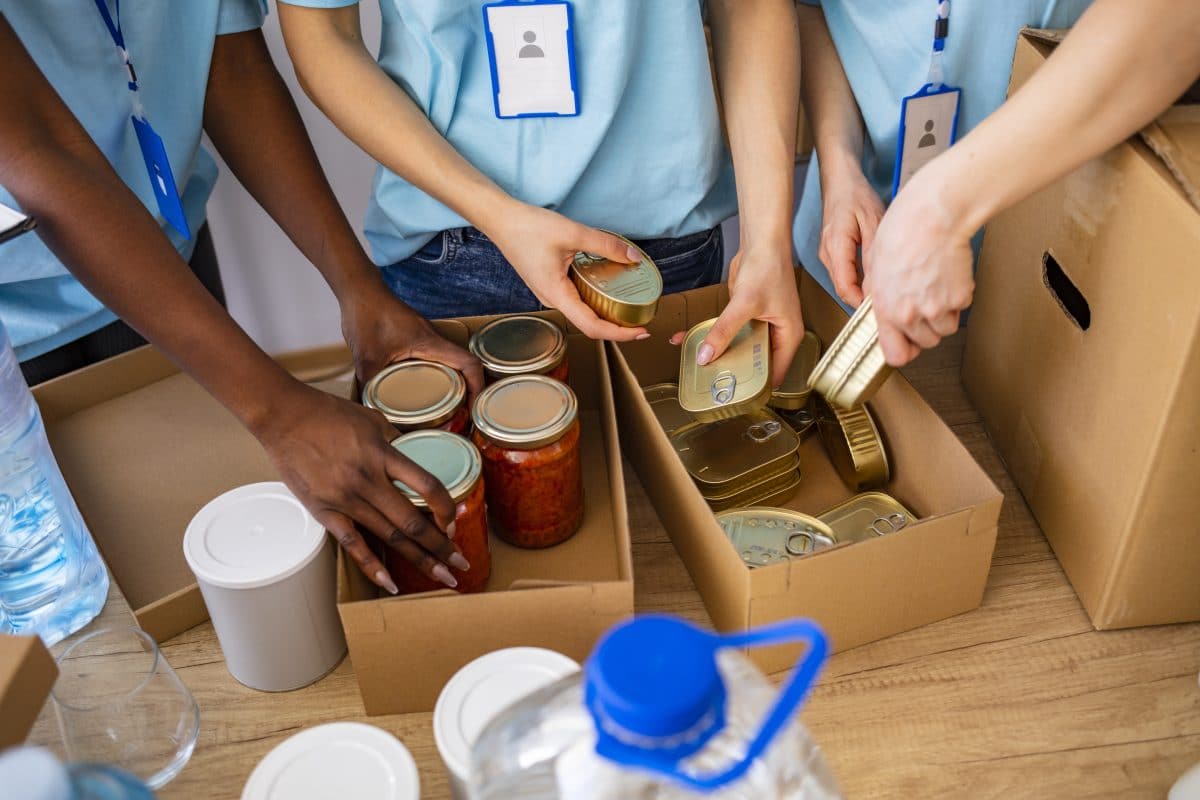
736	451
450	458
519	344
525	411
854	445
853	367
793	393
736	383
763	536
624	294
866	516
413	394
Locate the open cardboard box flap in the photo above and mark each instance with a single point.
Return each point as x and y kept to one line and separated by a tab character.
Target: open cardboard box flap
857	592
27	674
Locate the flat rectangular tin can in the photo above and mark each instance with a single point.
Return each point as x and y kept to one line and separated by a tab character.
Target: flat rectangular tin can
736	383
732	453
853	368
866	516
778	490
664	402
765	536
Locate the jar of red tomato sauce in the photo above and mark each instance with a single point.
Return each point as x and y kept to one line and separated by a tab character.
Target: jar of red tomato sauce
521	345
420	395
527	430
457	464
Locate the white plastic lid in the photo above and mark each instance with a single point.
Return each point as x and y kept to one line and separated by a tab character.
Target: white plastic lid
251	536
338	760
484	688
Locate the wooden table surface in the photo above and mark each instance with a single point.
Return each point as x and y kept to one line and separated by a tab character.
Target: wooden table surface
1020	698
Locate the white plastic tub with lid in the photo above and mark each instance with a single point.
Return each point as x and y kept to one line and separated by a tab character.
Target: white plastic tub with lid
481	690
267	572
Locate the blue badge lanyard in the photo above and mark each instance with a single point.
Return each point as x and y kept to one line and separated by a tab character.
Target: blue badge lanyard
941	30
118	37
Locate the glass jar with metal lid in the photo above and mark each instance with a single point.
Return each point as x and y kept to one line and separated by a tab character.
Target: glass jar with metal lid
527	430
521	345
736	383
420	395
456	463
764	536
623	294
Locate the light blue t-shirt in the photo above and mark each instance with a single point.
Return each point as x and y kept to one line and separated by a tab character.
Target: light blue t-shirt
646	156
170	45
884	47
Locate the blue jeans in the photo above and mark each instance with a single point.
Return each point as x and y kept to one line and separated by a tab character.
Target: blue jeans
460	273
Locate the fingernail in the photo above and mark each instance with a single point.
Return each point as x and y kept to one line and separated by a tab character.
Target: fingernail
633	254
458	562
451	528
386	581
442	574
641	337
705	354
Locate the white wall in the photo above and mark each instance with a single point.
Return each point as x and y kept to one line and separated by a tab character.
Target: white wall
273	292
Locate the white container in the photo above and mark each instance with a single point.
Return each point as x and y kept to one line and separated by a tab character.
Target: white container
342	759
267	573
479	691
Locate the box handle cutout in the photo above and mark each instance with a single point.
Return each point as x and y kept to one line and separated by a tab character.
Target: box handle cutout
1069	298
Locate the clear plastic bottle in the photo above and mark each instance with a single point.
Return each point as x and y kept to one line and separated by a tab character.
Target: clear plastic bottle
662	711
37	775
52	581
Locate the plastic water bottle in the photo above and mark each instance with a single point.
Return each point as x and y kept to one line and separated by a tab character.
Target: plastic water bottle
52	581
663	710
35	774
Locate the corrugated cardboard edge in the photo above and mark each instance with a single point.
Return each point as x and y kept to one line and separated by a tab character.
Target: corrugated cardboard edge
27	674
1183	166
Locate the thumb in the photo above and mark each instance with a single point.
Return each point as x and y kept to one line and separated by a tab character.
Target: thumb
606	245
735	315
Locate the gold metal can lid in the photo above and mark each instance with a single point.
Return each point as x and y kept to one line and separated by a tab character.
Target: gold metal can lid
450	458
415	394
737	451
736	383
763	536
664	402
525	411
853	368
866	516
742	489
792	394
518	345
854	445
624	294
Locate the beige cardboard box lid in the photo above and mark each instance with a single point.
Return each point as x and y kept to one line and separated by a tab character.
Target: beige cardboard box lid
143	447
27	674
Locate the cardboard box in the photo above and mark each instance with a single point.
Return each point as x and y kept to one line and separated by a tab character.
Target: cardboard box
562	598
1082	357
27	674
858	592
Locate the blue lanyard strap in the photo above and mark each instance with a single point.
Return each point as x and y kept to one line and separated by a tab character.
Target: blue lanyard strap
118	37
941	30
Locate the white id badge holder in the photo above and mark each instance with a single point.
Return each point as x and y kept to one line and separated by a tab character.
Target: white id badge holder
531	52
928	126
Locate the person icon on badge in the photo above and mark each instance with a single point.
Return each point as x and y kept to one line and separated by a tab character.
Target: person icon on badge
531	50
928	140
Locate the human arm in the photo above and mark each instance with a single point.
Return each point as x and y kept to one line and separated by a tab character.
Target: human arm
757	57
851	209
379	327
332	453
344	80
1117	69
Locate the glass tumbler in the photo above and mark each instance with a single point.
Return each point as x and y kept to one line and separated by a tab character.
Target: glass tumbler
119	702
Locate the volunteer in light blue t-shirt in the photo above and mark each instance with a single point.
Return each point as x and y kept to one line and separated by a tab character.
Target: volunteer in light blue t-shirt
41	304
1121	65
475	210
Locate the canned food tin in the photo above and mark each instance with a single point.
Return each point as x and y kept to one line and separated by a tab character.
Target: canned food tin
853	368
664	402
866	516
416	395
521	345
764	536
770	491
736	383
792	394
803	421
854	445
733	454
623	294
